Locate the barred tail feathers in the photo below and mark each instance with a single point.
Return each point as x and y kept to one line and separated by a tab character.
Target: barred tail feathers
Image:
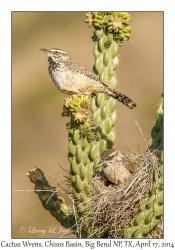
121	98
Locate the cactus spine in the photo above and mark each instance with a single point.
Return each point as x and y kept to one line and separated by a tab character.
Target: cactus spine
152	206
110	30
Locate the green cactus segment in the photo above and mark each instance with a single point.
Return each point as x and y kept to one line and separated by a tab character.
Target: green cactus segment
110	30
152	206
51	201
114	24
102	106
81	134
157	130
151	209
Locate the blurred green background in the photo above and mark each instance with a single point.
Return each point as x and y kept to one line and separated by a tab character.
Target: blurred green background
39	135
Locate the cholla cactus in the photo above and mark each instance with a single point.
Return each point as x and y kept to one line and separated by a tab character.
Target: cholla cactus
151	209
51	200
152	206
81	134
110	30
157	130
116	23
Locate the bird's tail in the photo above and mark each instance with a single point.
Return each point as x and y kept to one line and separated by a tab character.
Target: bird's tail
121	98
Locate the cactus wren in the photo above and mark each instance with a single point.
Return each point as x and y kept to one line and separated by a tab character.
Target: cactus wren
71	78
114	168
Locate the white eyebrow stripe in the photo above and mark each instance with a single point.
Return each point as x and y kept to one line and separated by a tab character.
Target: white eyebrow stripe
61	51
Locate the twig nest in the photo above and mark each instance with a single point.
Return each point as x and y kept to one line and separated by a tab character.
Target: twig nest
113	206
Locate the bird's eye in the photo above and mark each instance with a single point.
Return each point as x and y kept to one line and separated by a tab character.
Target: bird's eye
110	158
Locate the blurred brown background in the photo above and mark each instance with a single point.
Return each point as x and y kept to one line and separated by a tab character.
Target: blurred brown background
39	135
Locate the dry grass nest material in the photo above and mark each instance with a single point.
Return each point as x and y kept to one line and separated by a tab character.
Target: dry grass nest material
113	206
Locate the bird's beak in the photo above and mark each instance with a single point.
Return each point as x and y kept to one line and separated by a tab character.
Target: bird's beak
44	50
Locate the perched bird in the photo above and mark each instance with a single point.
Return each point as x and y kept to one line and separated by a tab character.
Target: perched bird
114	168
71	78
